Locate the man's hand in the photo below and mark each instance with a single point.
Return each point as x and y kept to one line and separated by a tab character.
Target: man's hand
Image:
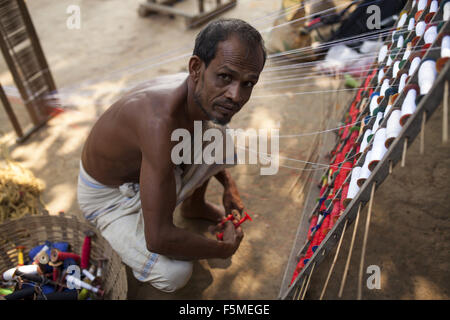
232	236
232	201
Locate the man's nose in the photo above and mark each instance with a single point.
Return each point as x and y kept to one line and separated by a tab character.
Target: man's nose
233	92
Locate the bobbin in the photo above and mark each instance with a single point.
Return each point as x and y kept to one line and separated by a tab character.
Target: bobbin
446	11
365	172
373	102
353	186
409	104
365	141
378	149
431	33
427	75
393	127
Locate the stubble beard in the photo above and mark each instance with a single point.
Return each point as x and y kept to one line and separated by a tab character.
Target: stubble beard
198	102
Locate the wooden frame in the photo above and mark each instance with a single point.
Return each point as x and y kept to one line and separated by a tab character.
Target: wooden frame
192	20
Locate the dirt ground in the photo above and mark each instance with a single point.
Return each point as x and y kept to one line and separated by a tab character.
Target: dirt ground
409	232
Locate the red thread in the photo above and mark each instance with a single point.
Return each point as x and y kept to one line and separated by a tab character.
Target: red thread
85	253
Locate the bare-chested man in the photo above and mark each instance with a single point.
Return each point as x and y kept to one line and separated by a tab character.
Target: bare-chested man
128	184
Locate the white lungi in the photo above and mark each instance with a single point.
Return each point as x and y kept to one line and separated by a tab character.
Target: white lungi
117	213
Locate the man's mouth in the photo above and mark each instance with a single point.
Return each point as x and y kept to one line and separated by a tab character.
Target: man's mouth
227	110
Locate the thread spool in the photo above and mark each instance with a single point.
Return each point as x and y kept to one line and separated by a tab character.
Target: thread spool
445	46
374	102
385	84
402	20
380	75
335	213
409	104
88	275
72	281
312	225
430	34
353	188
32	269
20	260
434	6
421	5
420	28
414	65
407	53
393	127
365	172
45	248
42	258
377	122
389	62
86	250
411	24
427	76
402	81
446	11
382	54
365	141
56	255
379	149
400	42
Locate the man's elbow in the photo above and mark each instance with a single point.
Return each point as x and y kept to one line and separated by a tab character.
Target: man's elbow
156	243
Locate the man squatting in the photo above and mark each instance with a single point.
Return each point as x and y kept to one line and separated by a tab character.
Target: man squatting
129	187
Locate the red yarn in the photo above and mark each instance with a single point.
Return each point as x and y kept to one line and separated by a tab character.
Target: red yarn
85	253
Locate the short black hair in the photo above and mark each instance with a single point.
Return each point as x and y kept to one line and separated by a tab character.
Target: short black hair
220	30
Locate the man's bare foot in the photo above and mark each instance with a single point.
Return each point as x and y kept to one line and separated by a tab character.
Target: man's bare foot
202	210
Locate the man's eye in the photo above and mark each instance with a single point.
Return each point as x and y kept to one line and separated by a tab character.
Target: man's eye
249	84
225	77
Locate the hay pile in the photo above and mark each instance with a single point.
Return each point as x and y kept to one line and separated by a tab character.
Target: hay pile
20	190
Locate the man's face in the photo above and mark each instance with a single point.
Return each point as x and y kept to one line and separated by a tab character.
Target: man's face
227	83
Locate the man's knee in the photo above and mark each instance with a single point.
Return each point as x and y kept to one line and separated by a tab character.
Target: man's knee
172	275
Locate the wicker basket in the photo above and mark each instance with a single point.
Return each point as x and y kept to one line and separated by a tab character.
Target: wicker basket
31	231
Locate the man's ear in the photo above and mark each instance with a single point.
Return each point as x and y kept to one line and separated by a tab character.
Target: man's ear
195	68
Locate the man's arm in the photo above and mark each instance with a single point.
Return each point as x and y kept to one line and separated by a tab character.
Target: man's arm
231	198
158	200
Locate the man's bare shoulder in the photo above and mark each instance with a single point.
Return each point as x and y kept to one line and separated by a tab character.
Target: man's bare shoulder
151	108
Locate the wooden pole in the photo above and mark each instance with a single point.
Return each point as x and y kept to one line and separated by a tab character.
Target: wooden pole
445	115
422	133
405	147
307	282
334	261
366	234
347	264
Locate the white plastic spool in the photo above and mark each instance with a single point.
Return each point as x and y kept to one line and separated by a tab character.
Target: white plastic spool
408	106
378	148
382	53
420	28
445	46
365	172
402	82
430	35
364	141
446	11
414	65
353	187
427	76
411	24
393	127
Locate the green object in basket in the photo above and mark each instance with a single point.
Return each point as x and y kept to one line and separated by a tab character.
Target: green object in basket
5	291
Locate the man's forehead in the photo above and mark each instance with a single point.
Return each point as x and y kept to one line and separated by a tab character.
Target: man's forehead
234	53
